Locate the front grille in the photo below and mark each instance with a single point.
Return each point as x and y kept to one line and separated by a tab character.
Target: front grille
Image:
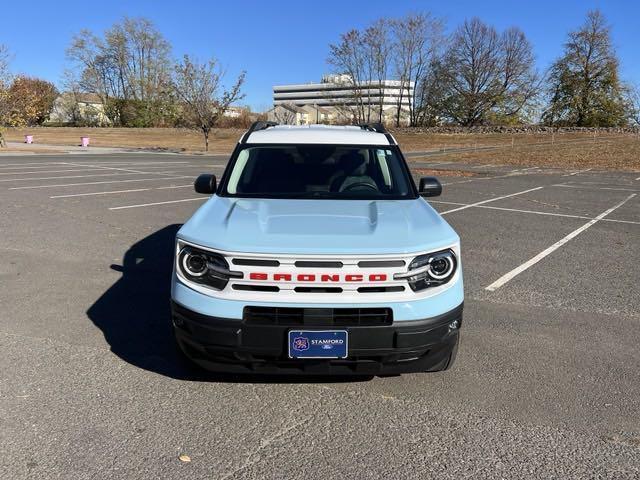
338	317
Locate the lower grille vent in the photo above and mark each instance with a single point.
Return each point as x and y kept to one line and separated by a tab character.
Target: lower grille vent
256	288
338	317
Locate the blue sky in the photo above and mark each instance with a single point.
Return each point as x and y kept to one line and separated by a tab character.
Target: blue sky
280	42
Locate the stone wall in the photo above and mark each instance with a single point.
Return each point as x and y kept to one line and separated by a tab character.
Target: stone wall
526	129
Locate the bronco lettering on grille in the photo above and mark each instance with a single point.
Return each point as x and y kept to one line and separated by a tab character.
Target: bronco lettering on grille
312	277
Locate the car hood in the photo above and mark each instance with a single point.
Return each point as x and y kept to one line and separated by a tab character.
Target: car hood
318	226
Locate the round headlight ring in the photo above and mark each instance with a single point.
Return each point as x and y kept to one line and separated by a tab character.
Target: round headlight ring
194	264
441	265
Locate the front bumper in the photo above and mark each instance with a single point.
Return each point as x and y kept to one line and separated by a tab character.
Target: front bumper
230	345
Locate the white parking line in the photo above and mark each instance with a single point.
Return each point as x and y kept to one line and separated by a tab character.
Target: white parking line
112	168
29	163
146	172
511	173
90	194
595	188
535	212
495	199
147	167
22	167
131	164
52	171
518	270
174	186
99	183
158	203
71	176
101	193
578	172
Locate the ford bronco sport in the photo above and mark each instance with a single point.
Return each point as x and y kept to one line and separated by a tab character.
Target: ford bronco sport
317	254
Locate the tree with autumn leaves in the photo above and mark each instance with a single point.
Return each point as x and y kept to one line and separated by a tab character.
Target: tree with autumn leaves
24	101
30	101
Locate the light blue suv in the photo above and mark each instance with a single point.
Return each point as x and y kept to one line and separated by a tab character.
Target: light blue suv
317	254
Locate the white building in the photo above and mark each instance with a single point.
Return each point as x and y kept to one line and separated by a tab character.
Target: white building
336	98
84	108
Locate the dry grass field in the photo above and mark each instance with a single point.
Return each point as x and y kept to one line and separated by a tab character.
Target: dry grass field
573	150
170	139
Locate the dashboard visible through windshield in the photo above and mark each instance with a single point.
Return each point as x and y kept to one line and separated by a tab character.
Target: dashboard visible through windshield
318	171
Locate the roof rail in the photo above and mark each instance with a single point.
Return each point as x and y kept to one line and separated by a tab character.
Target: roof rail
256	126
373	127
378	128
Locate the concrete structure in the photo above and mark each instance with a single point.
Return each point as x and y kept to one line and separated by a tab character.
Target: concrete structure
337	100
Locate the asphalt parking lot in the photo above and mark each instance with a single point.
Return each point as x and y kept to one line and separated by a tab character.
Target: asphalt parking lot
546	383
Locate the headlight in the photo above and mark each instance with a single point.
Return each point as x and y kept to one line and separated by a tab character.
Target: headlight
206	268
429	270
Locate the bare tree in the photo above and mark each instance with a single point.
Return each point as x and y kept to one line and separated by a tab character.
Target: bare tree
199	86
4	64
487	73
430	94
633	104
348	59
377	41
417	38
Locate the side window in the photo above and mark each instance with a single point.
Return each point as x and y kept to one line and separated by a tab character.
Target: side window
381	156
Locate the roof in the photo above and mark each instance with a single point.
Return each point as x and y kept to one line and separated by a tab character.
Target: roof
318	134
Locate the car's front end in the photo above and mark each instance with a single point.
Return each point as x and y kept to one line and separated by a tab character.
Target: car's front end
329	284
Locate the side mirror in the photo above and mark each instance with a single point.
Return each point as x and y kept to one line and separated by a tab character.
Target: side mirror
430	187
206	184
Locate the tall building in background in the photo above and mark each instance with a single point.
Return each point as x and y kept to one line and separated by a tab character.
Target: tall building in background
337	100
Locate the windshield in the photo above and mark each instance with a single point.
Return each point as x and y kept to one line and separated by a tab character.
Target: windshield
318	171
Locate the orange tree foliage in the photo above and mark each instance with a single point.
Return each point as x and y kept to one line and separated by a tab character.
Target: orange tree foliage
30	101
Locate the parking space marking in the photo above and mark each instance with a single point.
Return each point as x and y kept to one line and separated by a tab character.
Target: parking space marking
578	172
101	193
535	212
174	186
22	167
495	199
28	163
147	167
99	183
51	171
512	173
90	194
138	170
529	263
158	203
71	176
114	168
564	185
129	163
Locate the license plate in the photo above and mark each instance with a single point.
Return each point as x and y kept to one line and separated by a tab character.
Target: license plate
318	344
